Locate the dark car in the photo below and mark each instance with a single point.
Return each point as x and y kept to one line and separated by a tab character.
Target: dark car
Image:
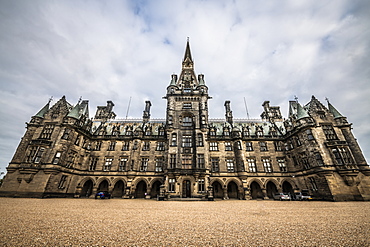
102	195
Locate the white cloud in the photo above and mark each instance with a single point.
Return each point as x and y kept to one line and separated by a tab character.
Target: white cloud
114	50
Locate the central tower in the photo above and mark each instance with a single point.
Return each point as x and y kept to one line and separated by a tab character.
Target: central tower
187	122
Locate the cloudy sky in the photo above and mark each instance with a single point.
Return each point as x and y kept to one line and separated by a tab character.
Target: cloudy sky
114	50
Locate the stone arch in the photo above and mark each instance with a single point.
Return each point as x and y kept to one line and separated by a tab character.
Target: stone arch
103	185
119	188
87	187
232	190
155	188
101	180
218	191
81	183
256	189
141	187
271	189
287	187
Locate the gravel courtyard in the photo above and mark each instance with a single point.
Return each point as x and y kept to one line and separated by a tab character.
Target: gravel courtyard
118	222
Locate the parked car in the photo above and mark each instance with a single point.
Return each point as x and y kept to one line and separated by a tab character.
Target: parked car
301	196
102	195
281	196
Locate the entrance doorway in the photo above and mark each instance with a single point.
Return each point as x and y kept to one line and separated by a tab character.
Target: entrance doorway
271	190
87	189
140	189
232	190
256	191
186	188
217	190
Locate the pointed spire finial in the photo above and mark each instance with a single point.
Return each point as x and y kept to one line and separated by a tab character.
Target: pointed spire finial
187	39
79	100
327	100
296	98
50	100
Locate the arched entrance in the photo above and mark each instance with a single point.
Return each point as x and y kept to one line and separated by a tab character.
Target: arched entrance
140	189
288	188
119	189
103	186
154	192
87	189
256	191
232	190
186	188
217	190
271	190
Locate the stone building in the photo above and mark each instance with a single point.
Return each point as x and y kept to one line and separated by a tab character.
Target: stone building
64	153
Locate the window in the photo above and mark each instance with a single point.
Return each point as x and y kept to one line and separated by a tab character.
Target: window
128	131
112	146
62	182
148	131
77	142
226	132
125	146
263	146
282	166
93	162
71	158
200	161
309	134
187	121
144	164
108	164
174	139
171	185
238	145
230	165
122	166
228	146
212	132
201	186
313	184
186	141
259	132
172	161
342	156
213	146
38	156
66	134
98	146
329	132
252	165
246	132
115	130
170	120
146	146
161	131
267	164
249	146
160	146
215	164
186	162
318	158
305	162
200	140
57	158
47	131
186	106
159	161
299	143
278	146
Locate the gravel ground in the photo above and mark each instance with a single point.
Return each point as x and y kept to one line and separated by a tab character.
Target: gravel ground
118	222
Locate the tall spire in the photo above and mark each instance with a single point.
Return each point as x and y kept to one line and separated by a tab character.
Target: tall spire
187	51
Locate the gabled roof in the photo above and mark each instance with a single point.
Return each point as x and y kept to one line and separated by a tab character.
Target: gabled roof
43	111
334	111
80	109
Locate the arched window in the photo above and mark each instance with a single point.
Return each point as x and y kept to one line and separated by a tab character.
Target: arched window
187	121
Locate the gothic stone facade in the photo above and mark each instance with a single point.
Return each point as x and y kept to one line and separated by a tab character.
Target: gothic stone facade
64	153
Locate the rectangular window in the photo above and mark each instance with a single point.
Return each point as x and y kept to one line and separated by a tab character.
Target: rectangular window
71	159
200	140
144	164
267	164
249	146
159	161
66	134
309	134
57	158
122	166
108	164
186	141
282	165
112	146
200	161
230	165
228	146
31	154
126	146
171	185
62	182
213	146
146	146
252	165
201	186
186	106
299	143
187	121
172	161
318	158
215	164
278	146
47	131
77	142
346	155
263	146
98	146
160	146
238	145
93	162
174	139
313	184
186	162
39	154
329	132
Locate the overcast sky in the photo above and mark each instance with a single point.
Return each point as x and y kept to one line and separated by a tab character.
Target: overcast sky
114	50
